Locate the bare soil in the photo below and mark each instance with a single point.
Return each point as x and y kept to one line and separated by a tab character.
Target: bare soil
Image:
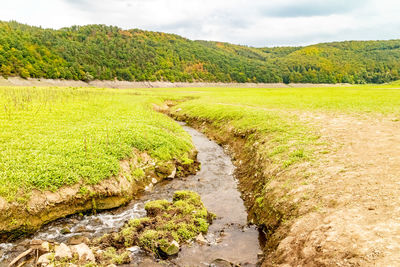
358	183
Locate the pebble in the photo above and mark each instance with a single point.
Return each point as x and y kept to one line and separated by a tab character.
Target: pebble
63	251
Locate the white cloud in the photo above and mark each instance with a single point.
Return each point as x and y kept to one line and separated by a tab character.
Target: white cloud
256	22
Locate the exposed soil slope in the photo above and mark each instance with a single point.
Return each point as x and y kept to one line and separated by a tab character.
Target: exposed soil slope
358	223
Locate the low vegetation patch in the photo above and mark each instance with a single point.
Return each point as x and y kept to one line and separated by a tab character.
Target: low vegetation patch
167	225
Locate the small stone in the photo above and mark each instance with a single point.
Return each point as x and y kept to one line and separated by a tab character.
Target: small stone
201	240
65	230
149	188
84	252
63	251
78	239
173	174
154	180
45	247
172	249
133	249
44	259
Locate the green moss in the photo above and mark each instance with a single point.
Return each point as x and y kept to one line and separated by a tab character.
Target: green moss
188	196
156	207
83	190
151	239
138	174
116	257
180	220
186	232
202	225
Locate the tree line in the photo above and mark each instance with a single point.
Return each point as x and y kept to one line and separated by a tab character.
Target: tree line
107	53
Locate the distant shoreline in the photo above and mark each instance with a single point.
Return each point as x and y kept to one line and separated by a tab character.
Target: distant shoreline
17	81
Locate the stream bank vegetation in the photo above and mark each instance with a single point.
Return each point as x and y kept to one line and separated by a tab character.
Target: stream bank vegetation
68	150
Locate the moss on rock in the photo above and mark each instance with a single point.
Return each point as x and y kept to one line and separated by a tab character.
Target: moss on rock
167	224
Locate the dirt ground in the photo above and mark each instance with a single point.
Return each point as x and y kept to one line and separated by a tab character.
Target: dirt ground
358	183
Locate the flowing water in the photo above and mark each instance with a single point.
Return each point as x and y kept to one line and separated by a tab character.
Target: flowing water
229	239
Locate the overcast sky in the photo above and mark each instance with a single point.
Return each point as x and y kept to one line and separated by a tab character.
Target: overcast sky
248	22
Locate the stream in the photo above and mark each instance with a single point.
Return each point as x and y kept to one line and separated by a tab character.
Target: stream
230	241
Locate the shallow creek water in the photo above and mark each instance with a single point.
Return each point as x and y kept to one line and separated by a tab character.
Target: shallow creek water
229	238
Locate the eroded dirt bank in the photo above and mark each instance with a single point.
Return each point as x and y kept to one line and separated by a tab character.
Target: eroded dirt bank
342	209
19	218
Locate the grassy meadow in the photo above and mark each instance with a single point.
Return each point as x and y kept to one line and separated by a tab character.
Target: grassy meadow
51	137
272	115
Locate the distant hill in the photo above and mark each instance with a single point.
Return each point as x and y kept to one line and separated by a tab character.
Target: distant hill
107	53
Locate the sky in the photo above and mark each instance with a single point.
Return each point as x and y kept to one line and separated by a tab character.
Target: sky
259	23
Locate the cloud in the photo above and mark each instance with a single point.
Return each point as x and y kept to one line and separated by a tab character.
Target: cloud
309	8
255	22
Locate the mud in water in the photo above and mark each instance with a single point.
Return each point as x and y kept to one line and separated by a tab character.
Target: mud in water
229	239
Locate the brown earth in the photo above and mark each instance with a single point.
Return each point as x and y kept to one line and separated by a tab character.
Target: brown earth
341	209
358	222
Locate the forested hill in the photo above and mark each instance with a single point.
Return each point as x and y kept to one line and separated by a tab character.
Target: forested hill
107	53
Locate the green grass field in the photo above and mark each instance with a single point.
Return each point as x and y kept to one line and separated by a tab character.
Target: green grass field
383	99
52	137
268	113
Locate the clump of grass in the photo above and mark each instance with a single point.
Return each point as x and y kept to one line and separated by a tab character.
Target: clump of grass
112	256
180	220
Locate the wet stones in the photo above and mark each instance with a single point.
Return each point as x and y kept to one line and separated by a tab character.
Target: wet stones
45	259
43	253
201	240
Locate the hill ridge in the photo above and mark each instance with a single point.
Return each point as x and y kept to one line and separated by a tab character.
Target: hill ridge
101	52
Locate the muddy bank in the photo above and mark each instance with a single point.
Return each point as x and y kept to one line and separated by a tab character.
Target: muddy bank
16	81
20	218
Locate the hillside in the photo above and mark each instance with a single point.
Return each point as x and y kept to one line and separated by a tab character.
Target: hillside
106	53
